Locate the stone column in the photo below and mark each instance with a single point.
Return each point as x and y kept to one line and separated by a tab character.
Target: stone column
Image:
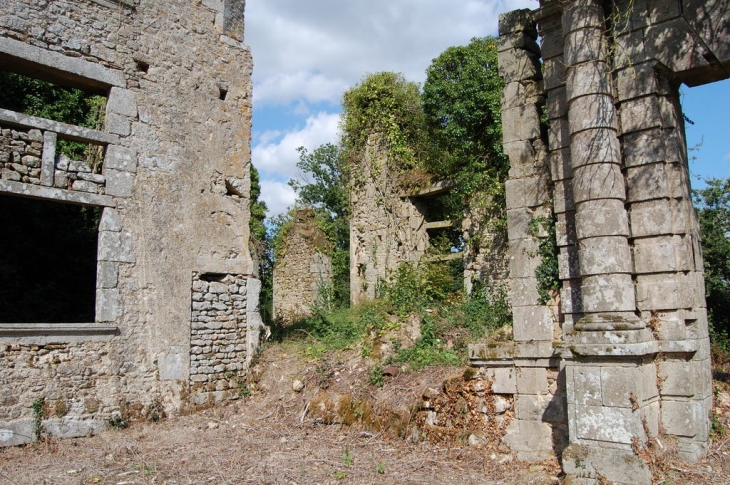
599	192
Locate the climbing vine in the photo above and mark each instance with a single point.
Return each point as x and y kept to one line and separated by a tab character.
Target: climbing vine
547	272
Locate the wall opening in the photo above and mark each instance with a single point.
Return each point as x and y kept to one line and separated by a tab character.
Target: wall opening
47	261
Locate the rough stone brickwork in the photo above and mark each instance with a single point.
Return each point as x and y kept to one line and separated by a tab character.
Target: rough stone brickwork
174	188
627	350
303	269
219	353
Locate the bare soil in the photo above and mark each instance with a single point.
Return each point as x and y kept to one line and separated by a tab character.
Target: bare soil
272	437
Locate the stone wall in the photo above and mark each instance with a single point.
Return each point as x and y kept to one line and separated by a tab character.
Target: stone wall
176	147
627	343
303	269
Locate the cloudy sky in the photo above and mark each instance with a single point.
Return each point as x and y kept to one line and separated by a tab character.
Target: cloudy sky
307	53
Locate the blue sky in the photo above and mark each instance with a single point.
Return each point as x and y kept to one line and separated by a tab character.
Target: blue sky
307	53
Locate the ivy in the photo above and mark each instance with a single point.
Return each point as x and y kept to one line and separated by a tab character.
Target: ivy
547	272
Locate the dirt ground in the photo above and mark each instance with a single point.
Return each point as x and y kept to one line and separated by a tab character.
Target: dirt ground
270	437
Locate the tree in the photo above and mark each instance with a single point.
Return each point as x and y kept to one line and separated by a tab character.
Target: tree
462	107
713	210
260	245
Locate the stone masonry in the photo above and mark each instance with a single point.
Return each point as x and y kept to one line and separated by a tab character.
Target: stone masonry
303	269
173	189
624	354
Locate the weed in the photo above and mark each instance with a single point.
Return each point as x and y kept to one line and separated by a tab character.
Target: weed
718	429
117	422
340	475
376	375
39	412
381	469
347	457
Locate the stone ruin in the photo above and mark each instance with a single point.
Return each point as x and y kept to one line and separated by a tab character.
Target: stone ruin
390	226
626	356
303	269
176	318
621	356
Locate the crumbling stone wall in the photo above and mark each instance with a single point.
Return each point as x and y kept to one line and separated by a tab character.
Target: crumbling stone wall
303	269
612	159
174	200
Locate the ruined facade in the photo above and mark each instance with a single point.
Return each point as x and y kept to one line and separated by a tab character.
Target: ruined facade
391	226
303	269
626	354
176	316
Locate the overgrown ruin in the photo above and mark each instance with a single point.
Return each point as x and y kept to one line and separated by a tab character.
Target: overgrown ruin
176	317
626	356
593	129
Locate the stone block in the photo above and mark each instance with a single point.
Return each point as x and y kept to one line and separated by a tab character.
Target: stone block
584	461
658	292
17	432
531	407
627	387
532	323
174	364
581	15
647	182
558	134
110	220
636	81
523	291
108	305
504	380
570	299
518	40
604	255
529	436
606	217
640	114
563	200
608	293
608	424
253	288
118	183
674	45
118	125
560	164
630	49
593	111
526	192
657	217
554	70
598	181
663	254
568	266
519	65
595	146
583	385
684	417
532	380
565	229
122	102
551	45
587	79
520	123
518	21
116	246
120	158
677	378
557	103
585	45
49	158
72	427
107	274
521	156
85	186
523	259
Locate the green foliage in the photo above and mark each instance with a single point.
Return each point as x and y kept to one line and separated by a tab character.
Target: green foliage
54	102
713	210
260	246
547	272
39	412
347	457
388	104
376	375
462	107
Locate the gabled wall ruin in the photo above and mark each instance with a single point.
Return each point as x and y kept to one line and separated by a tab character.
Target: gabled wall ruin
626	354
176	305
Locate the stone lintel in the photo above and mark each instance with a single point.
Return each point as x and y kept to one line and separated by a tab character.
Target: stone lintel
70	132
58	333
50	193
505	353
73	70
613	343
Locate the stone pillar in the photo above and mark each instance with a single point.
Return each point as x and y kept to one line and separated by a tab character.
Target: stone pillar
599	192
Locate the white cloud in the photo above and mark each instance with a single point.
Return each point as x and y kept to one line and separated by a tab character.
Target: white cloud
277	195
312	50
280	157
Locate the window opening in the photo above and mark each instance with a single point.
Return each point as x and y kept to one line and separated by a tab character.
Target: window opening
47	261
